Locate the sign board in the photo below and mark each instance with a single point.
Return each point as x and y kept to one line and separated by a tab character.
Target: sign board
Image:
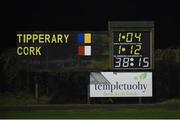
125	46
63	50
121	84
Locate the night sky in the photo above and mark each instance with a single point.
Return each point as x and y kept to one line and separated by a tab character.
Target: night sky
79	15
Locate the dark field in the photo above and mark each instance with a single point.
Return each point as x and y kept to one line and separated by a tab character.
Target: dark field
93	111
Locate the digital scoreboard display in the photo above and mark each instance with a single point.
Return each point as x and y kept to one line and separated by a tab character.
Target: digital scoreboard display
132	45
131	49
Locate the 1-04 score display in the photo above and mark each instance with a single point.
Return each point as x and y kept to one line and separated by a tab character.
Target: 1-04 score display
131	49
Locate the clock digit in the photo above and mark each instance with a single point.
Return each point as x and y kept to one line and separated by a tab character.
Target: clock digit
129	37
119	49
118	62
119	39
131	52
138	36
140	59
136	52
126	62
146	62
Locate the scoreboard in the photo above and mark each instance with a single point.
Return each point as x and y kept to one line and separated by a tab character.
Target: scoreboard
125	46
132	45
131	57
119	60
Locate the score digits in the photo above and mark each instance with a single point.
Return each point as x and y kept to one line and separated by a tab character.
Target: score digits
132	45
129	37
131	50
131	62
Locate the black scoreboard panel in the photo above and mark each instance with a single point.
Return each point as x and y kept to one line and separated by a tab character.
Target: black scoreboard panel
131	49
125	46
132	45
84	51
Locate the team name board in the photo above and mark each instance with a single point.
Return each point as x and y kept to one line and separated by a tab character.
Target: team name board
125	46
61	51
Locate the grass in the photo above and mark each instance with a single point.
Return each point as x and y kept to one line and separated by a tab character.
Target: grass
171	101
30	110
108	112
19	99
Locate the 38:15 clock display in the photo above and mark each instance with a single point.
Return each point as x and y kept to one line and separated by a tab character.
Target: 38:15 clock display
131	49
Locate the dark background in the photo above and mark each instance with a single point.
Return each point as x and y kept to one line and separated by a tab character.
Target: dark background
77	15
93	15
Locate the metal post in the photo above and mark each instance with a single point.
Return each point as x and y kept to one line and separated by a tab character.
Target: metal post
27	77
36	89
47	57
88	95
140	100
177	55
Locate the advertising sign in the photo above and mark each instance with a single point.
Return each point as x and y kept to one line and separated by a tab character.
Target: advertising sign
121	84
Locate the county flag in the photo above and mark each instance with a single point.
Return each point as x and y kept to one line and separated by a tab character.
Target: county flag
84	50
84	38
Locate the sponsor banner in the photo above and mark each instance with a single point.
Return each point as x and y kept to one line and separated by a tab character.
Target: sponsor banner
121	84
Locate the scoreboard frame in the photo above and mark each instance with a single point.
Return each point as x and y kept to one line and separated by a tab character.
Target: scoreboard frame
134	26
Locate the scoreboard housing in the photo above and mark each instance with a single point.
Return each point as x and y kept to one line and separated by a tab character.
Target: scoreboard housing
124	46
131	45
